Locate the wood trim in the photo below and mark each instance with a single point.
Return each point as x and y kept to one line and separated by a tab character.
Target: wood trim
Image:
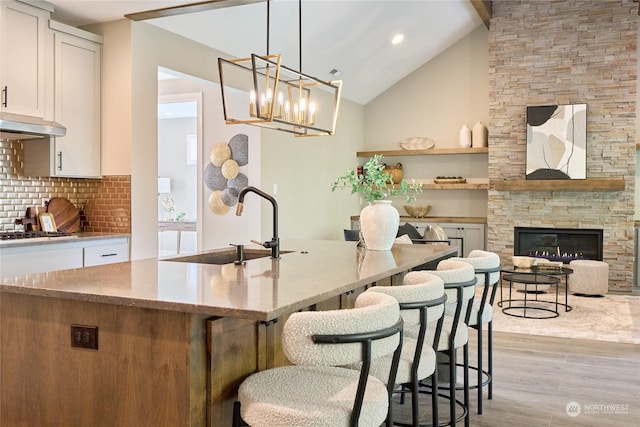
187	8
593	184
466	186
484	9
432	151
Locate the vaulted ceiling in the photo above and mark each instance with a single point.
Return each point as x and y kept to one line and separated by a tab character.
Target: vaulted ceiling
353	37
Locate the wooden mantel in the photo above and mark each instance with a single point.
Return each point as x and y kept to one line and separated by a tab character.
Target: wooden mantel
591	184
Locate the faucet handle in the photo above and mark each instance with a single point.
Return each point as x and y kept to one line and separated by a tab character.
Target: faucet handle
258	243
239	254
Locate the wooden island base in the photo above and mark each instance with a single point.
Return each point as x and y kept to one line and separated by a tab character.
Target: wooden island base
175	339
152	367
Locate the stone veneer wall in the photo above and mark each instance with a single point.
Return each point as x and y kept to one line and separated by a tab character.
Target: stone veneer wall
106	202
563	52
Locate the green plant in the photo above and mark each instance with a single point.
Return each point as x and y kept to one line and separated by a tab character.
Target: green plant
375	184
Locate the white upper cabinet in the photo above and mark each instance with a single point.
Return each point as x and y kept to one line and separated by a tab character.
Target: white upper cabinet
77	81
77	73
23	31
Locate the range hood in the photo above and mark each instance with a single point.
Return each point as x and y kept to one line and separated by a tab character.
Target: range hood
15	126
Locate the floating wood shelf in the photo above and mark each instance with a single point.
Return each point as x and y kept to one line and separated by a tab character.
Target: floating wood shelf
464	186
430	152
592	184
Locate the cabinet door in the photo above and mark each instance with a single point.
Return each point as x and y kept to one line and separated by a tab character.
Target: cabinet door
33	259
469	236
22	58
77	71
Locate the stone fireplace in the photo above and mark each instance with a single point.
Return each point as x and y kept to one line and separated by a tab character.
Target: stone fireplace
558	244
543	53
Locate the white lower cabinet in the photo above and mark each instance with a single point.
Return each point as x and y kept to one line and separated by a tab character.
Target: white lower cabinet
40	258
101	254
468	236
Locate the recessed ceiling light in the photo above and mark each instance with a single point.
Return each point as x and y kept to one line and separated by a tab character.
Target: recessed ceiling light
397	39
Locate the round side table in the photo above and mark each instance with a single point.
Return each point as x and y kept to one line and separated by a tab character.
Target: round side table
532	278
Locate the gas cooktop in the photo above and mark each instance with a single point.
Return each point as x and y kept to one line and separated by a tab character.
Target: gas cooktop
28	237
15	235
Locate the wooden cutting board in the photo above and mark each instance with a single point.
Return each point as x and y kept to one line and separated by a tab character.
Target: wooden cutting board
65	213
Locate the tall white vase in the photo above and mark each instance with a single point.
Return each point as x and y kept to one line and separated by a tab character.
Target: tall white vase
480	136
379	223
465	137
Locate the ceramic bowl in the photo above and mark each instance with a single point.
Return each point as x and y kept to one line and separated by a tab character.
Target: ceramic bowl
418	211
522	261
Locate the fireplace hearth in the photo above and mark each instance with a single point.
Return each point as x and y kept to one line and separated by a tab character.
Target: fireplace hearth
558	244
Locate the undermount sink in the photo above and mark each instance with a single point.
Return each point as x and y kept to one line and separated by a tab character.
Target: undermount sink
227	256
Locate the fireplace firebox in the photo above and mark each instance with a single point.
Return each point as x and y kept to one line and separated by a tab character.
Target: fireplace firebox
558	244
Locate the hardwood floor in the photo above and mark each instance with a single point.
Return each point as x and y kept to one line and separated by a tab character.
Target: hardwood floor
537	377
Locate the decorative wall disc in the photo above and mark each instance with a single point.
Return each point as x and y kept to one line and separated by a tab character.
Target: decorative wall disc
230	169
216	204
220	153
239	145
239	182
213	178
229	196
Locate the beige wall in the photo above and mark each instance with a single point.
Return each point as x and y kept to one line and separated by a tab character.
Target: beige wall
434	102
116	97
304	168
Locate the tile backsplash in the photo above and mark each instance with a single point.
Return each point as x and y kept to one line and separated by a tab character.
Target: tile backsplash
105	203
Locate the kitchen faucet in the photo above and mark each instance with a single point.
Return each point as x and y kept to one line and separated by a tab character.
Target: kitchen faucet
274	243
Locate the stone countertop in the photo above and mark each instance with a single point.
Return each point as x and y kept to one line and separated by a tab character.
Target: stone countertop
263	289
76	237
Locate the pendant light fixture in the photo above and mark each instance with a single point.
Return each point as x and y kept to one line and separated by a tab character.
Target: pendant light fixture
279	97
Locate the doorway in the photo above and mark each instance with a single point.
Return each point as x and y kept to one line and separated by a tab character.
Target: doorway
179	142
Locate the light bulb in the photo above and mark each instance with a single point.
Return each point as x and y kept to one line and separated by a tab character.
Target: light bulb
312	113
252	103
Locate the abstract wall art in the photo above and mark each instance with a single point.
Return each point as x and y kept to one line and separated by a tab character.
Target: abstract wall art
557	142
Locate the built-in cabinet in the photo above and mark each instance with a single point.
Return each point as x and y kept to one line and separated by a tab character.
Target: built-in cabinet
23	35
74	253
77	73
468	236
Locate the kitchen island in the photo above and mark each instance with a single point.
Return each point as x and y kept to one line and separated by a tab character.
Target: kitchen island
174	339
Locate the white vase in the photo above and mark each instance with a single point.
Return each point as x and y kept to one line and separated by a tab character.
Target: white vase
465	137
379	223
480	135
